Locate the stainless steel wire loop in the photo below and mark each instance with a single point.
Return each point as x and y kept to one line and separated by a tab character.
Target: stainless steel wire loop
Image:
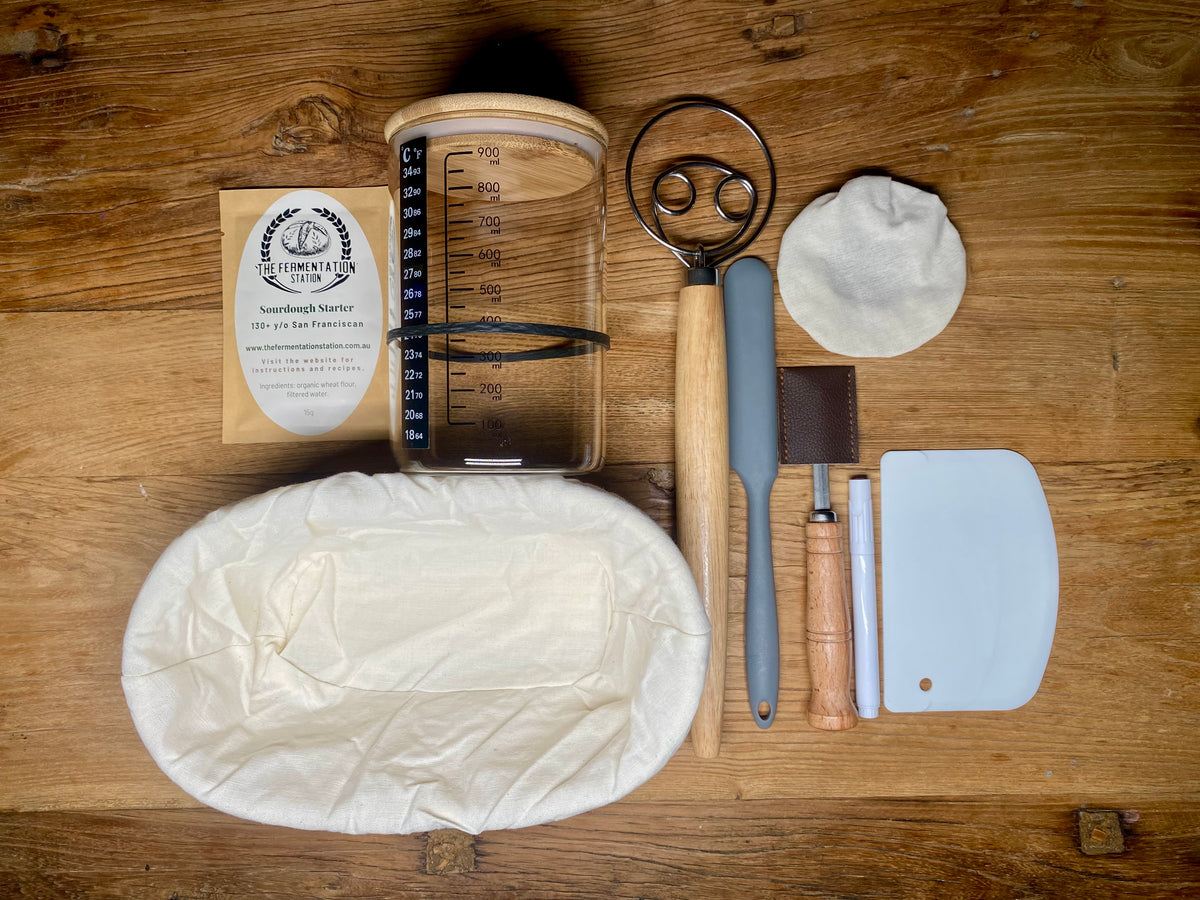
701	256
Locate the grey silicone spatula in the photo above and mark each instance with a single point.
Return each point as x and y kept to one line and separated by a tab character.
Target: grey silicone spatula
754	455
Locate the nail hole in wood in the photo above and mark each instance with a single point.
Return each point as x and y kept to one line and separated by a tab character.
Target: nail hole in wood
449	852
1100	832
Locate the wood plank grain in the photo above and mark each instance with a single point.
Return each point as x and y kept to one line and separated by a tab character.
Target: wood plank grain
1030	123
1062	138
1057	382
1115	710
758	848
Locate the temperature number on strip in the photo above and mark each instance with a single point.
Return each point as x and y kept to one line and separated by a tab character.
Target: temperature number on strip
414	295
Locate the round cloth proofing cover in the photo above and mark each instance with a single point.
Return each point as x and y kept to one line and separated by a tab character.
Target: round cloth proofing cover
393	654
875	269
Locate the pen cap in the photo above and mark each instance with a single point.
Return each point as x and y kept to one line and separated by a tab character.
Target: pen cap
862	528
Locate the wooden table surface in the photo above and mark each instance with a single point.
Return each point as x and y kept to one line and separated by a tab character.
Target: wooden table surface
1064	139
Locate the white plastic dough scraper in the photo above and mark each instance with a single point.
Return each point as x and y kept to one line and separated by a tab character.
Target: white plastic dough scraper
970	580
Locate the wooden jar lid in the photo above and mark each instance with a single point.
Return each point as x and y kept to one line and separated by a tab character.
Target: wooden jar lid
503	106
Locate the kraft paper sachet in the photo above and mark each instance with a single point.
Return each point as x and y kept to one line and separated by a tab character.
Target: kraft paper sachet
305	314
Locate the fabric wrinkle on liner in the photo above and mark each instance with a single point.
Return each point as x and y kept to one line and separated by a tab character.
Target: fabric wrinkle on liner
393	654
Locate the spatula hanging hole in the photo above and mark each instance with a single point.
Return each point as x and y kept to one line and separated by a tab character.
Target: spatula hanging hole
926	684
764	710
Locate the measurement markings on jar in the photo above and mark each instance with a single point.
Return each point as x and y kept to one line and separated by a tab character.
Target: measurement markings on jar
414	294
460	391
455	175
460	290
469	245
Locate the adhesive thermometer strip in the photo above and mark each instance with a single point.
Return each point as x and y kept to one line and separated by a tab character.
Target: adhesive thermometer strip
414	294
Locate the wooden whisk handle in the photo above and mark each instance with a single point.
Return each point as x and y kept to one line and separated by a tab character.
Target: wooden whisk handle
702	484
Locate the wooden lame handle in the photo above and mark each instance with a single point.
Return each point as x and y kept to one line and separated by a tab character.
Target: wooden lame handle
702	484
830	652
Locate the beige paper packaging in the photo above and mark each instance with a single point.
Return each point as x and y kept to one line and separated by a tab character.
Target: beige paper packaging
305	287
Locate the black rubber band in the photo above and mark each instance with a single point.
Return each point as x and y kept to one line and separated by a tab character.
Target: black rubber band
579	341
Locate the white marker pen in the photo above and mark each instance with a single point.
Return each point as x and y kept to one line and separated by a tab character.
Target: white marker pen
862	580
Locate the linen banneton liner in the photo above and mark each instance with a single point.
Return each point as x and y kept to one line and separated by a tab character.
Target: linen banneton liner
393	654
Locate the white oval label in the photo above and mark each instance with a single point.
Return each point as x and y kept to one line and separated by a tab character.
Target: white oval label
309	313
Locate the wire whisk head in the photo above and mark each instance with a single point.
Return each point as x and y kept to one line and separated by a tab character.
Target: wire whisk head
682	173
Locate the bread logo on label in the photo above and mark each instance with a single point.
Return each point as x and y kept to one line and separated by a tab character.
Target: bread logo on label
318	261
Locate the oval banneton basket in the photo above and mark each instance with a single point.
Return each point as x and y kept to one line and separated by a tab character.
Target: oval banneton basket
393	654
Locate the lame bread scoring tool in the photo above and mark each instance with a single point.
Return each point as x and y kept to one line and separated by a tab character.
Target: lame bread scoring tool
754	455
818	426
